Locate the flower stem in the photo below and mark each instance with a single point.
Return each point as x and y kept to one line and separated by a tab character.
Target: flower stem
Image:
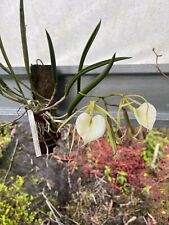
112	136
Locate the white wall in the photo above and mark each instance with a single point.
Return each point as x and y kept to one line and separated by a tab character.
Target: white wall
129	27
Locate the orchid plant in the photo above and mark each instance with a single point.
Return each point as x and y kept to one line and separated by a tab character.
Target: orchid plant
43	108
89	126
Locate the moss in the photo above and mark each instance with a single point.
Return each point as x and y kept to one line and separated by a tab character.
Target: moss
15	204
5	138
153	138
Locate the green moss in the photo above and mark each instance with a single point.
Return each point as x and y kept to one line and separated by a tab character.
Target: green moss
15	204
153	138
5	138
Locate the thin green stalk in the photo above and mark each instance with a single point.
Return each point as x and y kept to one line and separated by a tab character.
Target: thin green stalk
128	123
102	110
134	101
111	132
111	138
137	96
114	95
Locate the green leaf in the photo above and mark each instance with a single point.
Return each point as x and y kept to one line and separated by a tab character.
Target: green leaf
23	37
85	51
20	82
90	86
54	71
88	69
6	94
9	73
52	58
4	68
2	83
12	74
6	89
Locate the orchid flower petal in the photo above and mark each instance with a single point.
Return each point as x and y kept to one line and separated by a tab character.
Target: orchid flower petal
90	128
146	115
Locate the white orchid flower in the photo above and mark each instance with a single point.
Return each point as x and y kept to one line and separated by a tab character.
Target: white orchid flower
146	115
90	128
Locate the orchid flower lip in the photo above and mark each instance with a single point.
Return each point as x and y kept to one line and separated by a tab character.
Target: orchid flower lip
90	128
145	115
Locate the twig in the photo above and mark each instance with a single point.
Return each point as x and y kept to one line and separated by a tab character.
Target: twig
152	219
130	220
11	161
145	220
125	204
52	209
157	65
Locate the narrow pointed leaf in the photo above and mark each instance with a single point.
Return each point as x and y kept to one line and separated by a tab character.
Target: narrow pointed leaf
4	68
54	71
20	81
24	38
3	84
12	74
9	97
90	86
52	58
88	69
7	94
85	51
8	90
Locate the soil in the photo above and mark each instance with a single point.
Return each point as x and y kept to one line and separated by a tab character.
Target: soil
90	184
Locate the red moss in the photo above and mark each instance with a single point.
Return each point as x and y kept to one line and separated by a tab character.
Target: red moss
94	159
